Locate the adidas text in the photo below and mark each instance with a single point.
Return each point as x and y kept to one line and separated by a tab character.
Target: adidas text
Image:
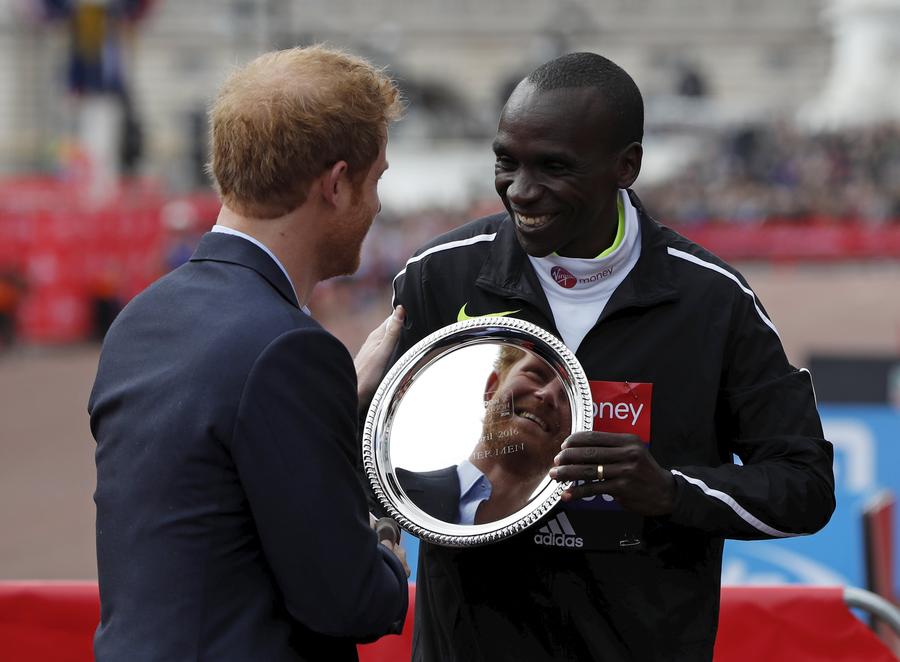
558	540
558	533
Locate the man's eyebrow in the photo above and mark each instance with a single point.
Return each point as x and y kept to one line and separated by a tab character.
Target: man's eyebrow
499	147
562	157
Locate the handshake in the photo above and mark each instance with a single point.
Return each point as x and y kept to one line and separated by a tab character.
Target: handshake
389	535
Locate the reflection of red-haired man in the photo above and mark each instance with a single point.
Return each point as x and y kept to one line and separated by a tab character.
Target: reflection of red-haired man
526	419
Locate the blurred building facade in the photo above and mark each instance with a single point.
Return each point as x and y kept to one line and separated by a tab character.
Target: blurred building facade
457	61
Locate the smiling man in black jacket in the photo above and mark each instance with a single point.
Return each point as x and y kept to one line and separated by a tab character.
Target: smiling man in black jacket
686	371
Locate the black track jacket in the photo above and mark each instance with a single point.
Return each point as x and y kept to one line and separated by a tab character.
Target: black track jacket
685	337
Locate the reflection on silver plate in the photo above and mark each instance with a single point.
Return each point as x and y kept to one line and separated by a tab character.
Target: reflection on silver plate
463	429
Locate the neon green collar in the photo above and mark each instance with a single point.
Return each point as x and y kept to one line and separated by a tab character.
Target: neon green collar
620	232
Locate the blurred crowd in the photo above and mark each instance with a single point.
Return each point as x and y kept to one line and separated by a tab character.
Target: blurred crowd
776	173
769	174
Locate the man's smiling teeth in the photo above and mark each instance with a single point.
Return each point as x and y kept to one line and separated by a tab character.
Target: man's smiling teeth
532	221
532	417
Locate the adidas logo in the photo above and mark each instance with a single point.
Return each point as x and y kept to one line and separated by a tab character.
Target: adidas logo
558	533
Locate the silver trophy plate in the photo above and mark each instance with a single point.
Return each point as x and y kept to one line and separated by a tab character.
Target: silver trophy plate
464	427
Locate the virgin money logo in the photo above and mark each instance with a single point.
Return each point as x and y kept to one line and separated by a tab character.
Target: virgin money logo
623	407
563	278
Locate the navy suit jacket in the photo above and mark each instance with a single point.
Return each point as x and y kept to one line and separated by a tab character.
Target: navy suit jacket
435	492
231	523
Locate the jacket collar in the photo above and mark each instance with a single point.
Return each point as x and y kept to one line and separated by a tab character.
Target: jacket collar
221	247
508	272
652	280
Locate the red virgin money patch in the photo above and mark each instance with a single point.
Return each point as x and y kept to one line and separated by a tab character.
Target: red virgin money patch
622	407
563	277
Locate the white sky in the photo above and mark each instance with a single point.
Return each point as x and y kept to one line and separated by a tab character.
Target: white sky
439	419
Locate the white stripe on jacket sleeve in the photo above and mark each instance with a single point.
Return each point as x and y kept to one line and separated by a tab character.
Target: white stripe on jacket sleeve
437	249
729	501
674	252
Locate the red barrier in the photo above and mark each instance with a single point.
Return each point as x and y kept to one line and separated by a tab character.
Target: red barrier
55	622
799	241
797	623
48	621
392	647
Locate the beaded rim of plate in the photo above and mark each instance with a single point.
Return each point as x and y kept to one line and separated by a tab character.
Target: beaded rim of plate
380	415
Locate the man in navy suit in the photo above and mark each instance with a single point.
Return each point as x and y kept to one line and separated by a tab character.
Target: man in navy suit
231	524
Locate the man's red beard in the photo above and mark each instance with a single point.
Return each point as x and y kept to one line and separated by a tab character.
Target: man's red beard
342	246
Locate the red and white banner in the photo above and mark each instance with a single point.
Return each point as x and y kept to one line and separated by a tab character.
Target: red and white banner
622	407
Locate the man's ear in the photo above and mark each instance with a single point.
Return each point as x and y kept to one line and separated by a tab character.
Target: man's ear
628	166
335	183
490	388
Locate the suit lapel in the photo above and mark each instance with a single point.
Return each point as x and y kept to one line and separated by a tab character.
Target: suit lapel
221	247
435	492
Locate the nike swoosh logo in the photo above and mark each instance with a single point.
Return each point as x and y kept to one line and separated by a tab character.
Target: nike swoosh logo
462	316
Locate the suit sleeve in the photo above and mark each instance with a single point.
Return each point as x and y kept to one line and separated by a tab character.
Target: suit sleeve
295	450
767	416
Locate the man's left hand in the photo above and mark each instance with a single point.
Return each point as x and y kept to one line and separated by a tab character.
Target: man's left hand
630	474
372	357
